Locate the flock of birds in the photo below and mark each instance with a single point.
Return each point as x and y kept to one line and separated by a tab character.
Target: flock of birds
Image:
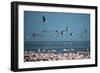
62	32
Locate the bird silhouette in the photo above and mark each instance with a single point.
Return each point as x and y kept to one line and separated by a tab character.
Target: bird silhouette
62	32
44	19
71	34
85	31
67	29
34	35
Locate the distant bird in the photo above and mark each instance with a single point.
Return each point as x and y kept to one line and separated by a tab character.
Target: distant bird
44	19
39	50
67	29
44	31
34	35
54	51
62	32
72	49
56	31
85	31
71	34
65	50
44	50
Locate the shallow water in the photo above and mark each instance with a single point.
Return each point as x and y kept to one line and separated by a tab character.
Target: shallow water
59	46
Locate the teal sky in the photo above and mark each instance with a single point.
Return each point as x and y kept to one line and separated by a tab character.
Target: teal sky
78	24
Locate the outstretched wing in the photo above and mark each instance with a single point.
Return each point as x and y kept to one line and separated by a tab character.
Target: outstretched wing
44	19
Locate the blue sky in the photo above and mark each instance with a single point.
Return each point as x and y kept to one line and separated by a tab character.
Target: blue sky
78	24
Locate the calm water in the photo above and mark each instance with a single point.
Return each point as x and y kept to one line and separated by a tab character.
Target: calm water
56	45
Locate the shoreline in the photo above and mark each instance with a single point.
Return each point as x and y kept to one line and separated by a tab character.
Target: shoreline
31	56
